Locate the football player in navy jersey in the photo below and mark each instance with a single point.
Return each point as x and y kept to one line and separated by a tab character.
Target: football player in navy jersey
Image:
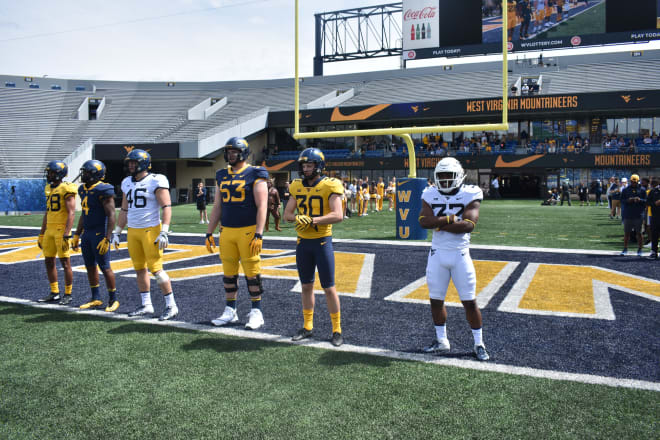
240	208
94	232
451	209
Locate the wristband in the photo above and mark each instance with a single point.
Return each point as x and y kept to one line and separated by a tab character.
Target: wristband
257	235
468	220
117	230
164	228
66	236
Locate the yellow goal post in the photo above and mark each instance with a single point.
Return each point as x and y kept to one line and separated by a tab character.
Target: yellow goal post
405	132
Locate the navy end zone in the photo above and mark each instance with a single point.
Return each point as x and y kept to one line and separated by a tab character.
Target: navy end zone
587	313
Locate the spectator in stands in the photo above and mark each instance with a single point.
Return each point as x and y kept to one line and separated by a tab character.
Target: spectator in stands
633	201
647	139
200	198
524	137
653	202
565	192
524	89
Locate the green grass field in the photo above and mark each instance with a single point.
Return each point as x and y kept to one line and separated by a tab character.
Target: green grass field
589	22
69	376
74	376
502	222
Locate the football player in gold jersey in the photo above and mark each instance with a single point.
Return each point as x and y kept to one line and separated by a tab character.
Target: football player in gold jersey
318	200
55	234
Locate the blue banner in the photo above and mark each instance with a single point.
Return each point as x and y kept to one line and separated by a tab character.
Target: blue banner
22	195
408	207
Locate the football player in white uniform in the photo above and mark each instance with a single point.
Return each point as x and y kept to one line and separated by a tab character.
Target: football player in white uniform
144	194
451	209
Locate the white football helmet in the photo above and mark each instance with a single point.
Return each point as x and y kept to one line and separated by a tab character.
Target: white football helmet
452	166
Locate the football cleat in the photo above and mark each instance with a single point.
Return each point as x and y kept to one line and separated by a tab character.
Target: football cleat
51	297
639	252
169	313
66	299
93	304
624	252
481	353
227	317
255	319
303	333
337	339
440	346
142	310
112	307
653	256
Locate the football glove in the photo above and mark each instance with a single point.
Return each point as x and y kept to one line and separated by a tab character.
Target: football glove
40	241
256	244
162	241
302	222
115	240
66	243
104	246
210	243
75	243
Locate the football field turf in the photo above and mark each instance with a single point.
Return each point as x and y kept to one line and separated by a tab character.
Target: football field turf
581	370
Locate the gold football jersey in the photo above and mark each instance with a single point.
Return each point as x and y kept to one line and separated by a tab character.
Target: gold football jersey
314	201
55	202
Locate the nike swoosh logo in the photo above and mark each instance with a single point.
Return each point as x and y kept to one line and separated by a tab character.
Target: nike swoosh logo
277	167
357	116
500	163
323	243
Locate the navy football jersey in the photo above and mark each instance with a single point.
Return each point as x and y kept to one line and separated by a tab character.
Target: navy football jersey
91	200
237	195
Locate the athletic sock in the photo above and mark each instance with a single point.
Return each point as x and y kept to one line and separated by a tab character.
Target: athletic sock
476	334
336	322
256	303
231	303
54	287
440	332
308	317
68	288
112	296
146	298
95	293
169	300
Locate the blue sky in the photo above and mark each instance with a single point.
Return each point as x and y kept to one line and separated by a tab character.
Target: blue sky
174	40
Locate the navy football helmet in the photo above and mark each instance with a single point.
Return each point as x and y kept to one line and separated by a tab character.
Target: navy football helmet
92	171
315	156
142	158
239	144
55	171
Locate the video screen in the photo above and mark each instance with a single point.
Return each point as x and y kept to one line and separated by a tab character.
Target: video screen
536	25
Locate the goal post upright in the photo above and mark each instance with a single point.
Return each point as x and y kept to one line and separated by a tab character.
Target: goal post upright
407	226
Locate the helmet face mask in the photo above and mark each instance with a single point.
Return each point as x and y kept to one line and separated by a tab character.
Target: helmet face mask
237	144
141	162
91	172
311	155
55	171
449	175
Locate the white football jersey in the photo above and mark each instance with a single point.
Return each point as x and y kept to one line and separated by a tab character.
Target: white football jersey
143	209
445	204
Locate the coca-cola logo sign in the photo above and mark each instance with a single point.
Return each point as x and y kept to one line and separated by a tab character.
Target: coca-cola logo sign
576	40
420	14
